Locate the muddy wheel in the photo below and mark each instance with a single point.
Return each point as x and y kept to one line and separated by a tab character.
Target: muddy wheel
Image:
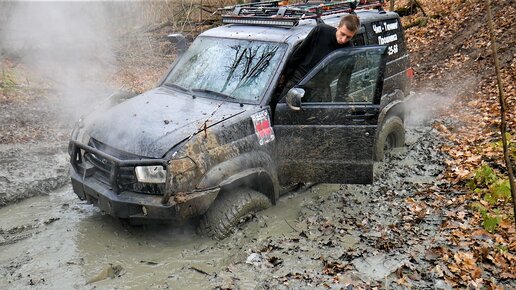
228	209
392	135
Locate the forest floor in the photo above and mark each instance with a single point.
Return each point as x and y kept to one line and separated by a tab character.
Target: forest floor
437	216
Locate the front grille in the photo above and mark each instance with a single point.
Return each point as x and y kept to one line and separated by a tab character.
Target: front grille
126	178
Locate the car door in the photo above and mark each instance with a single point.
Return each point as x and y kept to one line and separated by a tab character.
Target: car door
330	138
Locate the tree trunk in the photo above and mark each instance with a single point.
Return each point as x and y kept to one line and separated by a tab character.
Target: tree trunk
503	107
410	8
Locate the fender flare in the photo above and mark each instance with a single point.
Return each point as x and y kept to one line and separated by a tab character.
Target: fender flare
253	169
394	108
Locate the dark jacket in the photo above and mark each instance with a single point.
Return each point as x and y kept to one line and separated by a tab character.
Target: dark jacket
320	42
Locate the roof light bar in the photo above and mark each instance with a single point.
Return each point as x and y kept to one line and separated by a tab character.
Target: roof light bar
270	13
260	21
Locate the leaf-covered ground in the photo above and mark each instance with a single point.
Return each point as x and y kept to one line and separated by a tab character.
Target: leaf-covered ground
452	56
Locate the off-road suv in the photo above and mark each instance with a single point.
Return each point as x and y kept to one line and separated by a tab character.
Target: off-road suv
210	140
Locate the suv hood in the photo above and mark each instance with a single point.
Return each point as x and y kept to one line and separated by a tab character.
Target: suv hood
150	124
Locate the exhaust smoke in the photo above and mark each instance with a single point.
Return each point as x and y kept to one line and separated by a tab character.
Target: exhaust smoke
69	44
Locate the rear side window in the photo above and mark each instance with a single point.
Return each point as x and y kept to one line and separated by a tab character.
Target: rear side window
389	32
358	40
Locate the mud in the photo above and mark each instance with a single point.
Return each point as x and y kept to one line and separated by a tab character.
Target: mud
31	169
327	236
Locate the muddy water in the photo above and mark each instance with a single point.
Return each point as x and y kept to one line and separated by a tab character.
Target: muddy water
50	161
57	241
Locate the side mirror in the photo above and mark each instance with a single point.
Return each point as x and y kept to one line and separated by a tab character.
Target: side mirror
179	41
293	98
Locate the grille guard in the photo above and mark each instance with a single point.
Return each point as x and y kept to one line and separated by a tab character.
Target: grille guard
76	158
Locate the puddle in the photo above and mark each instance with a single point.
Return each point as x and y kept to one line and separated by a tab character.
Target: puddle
58	241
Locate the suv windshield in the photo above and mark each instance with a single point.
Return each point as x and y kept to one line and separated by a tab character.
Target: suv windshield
239	69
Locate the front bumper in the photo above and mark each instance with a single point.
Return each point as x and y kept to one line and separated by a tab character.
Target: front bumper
137	205
127	204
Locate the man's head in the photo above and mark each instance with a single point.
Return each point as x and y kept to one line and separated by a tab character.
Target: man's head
348	27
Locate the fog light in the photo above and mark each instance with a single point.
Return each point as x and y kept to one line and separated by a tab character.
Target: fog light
150	174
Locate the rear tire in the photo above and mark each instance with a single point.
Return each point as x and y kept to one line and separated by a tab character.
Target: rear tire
391	135
228	209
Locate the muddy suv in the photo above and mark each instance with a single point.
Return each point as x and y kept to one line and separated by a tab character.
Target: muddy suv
216	140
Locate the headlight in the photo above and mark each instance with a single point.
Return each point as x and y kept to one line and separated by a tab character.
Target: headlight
151	174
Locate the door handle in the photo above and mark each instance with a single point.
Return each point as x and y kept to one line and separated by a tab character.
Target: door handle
363	115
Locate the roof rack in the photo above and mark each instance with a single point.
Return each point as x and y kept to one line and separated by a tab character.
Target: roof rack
276	13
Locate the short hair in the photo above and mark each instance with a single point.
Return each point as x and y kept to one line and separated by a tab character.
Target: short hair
351	21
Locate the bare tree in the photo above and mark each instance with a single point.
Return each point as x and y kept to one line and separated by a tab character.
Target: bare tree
503	107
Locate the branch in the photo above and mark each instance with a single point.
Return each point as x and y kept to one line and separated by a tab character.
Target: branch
410	8
157	27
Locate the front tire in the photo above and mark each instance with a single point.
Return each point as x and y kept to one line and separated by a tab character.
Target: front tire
391	135
228	209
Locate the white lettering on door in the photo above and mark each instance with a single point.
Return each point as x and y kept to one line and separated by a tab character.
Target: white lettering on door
387	39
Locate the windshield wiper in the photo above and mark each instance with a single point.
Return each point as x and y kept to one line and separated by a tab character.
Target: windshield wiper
217	94
178	87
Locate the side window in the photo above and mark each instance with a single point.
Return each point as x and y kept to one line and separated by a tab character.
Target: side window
346	78
358	40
